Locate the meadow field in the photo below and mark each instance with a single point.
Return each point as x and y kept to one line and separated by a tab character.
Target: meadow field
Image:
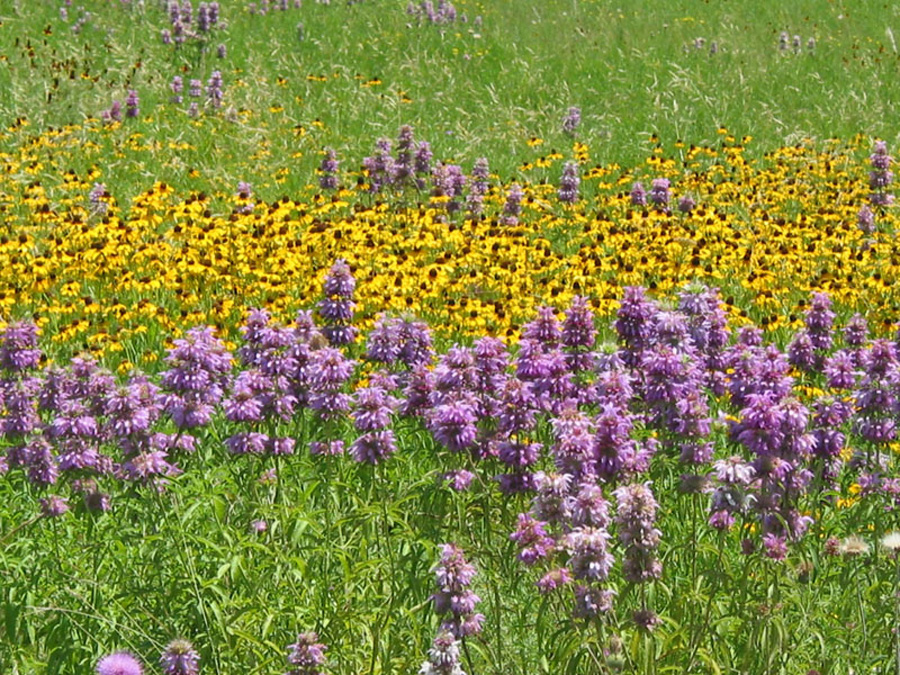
476	337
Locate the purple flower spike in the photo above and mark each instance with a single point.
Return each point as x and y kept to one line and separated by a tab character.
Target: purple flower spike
132	104
337	307
54	506
328	170
554	579
571	121
590	559
637	531
686	204
19	347
591	601
459	480
774	547
180	658
177	87
453	598
865	220
478	188
195	381
443	657
513	206
532	538
307	655
638	195
881	177
214	89
568	184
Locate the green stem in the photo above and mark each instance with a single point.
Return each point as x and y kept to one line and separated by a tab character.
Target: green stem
465	646
20	526
695	641
601	637
862	615
897	610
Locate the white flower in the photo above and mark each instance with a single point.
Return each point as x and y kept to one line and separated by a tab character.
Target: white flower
854	546
891	541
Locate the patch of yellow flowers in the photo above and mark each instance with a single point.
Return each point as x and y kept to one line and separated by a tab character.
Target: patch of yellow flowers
766	232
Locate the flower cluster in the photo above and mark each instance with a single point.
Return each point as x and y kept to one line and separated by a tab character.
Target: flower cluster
337	307
881	176
307	655
182	25
428	12
454	599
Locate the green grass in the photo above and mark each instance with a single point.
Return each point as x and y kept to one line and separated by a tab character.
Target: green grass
474	91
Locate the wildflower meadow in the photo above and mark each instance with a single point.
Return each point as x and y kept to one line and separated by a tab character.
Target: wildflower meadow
449	337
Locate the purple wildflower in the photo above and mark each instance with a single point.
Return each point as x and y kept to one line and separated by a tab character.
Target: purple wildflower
380	166
865	220
307	655
588	507
180	658
443	657
198	367
337	307
554	579
452	423
329	449
328	170
840	370
478	187
532	538
19	347
571	121
686	204
775	547
635	518
856	331
634	324
177	87
568	184
448	181
513	206
454	575
403	167
203	25
578	335
54	506
119	663
590	559
881	177
131	104
659	193
114	114
329	371
214	89
646	619
459	480
638	195
422	161
374	446
591	601
573	450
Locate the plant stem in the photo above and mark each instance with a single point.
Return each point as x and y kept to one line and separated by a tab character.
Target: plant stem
465	647
897	611
862	616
